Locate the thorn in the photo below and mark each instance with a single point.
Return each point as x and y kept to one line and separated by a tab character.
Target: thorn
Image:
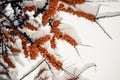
32	70
78	53
109	15
69	66
103	29
75	70
87	66
69	73
50	68
84	45
98	9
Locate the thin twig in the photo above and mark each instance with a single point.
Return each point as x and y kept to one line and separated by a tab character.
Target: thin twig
32	69
6	70
77	51
86	67
103	29
67	72
108	16
69	66
98	10
50	68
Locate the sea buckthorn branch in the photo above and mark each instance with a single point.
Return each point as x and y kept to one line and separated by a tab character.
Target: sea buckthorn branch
3	73
63	36
60	35
14	50
8	37
24	43
30	8
53	42
7	34
8	61
42	40
50	58
50	12
69	40
36	47
5	53
30	46
16	28
26	36
79	13
5	45
73	2
40	72
33	51
24	39
30	26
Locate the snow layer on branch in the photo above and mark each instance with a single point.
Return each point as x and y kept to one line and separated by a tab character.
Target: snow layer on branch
8	10
38	3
